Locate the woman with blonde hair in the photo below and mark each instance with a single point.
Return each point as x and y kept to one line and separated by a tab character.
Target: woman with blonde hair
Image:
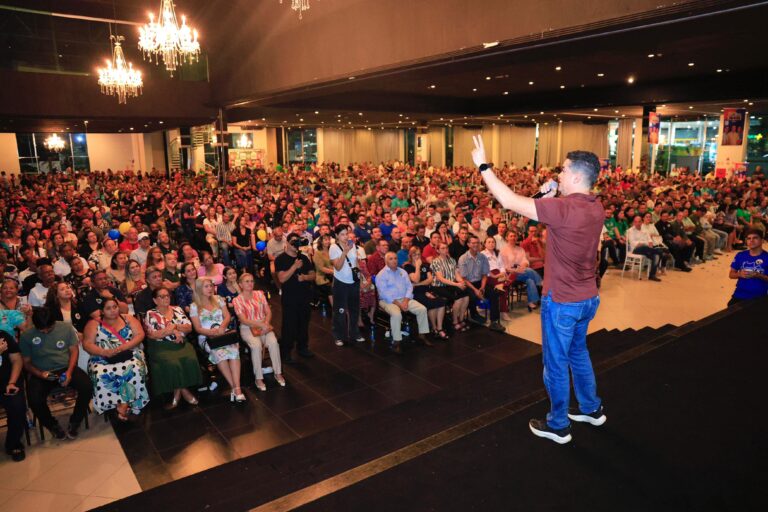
210	318
256	329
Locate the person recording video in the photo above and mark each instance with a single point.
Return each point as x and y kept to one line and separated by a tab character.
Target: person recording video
296	274
346	288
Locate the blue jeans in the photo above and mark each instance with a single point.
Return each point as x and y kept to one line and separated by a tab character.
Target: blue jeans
244	259
532	281
564	330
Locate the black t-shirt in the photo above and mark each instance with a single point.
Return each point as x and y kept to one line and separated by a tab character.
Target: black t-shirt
93	300
293	290
423	270
5	368
243	240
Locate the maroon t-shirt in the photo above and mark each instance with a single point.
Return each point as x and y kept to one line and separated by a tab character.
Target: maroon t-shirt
574	223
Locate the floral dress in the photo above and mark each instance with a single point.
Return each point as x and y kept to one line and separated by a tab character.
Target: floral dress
210	319
118	383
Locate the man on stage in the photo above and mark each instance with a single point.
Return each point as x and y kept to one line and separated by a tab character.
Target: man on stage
570	298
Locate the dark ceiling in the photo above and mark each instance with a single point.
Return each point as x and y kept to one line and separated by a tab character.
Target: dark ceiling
722	39
696	59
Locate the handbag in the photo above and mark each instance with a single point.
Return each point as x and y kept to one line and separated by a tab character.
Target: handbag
122	356
228	338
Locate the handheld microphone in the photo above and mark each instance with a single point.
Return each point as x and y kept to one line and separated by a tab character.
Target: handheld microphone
548	189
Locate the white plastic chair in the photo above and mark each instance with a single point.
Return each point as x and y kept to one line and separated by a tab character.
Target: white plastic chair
635	262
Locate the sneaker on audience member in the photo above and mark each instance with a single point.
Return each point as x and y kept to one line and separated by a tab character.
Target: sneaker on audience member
540	428
596	418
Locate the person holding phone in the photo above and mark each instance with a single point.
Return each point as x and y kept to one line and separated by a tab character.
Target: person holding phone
346	288
50	350
11	396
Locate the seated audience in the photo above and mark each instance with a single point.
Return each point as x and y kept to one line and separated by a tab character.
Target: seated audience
116	367
50	352
172	361
422	279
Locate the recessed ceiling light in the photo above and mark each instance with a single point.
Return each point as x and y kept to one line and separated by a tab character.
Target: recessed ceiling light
594	109
317	111
359	113
562	87
263	119
526	116
131	128
474	89
441	118
490	45
558	68
750	103
690	107
719	70
352	78
601	75
691	64
160	122
506	93
541	113
301	119
432	86
746	101
630	80
651	55
487	78
401	115
530	83
589	117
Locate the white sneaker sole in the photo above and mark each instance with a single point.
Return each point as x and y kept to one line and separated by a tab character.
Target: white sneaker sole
549	435
583	418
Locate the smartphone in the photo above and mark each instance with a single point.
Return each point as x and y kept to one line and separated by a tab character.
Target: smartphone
12	393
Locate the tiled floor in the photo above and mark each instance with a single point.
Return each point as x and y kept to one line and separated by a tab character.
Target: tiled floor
337	386
65	476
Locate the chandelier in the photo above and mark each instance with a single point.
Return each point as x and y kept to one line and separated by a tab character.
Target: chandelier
299	6
54	143
244	142
119	78
165	39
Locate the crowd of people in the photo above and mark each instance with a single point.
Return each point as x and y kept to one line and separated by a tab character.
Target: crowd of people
117	283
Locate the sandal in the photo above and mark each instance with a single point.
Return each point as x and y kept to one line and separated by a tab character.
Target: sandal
174	404
123	416
465	327
442	334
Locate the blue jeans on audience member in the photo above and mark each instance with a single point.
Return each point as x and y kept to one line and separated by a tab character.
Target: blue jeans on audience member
532	281
244	259
564	330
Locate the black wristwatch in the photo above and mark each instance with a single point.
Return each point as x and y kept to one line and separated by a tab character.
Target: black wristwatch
484	167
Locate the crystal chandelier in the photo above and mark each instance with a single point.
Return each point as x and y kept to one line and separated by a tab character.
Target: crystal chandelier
165	39
119	78
244	142
54	143
299	6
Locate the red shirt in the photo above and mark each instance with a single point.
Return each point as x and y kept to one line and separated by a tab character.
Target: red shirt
429	253
573	224
127	246
375	263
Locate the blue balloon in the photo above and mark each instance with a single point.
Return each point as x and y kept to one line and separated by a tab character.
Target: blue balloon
261	245
113	234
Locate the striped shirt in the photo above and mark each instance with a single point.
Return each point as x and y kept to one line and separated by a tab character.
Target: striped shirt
446	267
255	308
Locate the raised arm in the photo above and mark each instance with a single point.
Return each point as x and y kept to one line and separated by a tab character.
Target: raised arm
503	194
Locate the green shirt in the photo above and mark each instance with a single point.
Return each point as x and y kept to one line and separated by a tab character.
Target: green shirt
610	226
49	351
399	203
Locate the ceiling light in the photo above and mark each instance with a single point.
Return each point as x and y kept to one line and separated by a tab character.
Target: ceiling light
54	143
541	113
401	115
690	107
487	78
746	101
589	117
526	116
630	80
359	113
506	93
594	110
352	78
558	68
750	103
691	64
301	119
131	128
166	40
119	78
719	70
317	112
651	55
490	45
601	75
159	122
562	87
474	89
616	111
530	83
432	86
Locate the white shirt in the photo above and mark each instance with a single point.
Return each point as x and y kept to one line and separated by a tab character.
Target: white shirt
61	268
637	237
345	274
37	295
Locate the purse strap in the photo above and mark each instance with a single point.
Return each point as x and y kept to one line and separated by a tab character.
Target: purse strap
116	334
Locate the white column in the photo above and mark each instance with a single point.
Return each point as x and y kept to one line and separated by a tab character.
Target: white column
637	146
9	153
320	149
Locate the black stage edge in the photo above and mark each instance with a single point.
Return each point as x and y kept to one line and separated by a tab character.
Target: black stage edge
678	422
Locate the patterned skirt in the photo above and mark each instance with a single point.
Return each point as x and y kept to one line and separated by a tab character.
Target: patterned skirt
119	383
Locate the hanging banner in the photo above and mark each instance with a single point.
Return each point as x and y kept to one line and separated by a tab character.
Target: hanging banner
654	125
733	126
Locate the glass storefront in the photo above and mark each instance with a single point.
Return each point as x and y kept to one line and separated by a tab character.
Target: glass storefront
687	146
302	145
34	157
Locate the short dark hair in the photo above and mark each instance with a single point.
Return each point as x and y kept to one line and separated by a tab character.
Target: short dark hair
586	163
42	318
340	228
755	232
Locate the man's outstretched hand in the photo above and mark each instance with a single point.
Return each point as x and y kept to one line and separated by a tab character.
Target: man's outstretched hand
478	153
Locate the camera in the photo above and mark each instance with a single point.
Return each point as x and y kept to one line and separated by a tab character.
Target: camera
299	242
355	274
